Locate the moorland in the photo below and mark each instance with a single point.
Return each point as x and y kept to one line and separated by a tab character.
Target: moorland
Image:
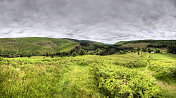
69	68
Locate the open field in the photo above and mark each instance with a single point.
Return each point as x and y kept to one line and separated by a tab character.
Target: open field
125	75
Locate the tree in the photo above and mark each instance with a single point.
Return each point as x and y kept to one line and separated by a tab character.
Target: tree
29	55
52	55
86	44
62	54
0	51
74	54
172	49
138	49
144	49
9	54
157	51
47	54
149	50
82	52
98	51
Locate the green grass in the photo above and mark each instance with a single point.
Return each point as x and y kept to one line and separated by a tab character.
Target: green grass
163	68
47	77
40	45
37	44
124	75
67	47
121	43
136	45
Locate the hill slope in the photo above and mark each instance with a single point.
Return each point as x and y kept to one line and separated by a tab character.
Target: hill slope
37	45
40	45
146	43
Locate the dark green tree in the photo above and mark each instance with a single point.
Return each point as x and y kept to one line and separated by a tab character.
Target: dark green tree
157	51
47	54
29	55
74	54
138	49
149	50
144	49
98	51
52	55
172	49
82	52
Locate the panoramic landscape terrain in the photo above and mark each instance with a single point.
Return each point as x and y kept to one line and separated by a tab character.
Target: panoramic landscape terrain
87	48
68	68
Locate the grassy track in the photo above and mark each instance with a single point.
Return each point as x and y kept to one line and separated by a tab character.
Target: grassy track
78	82
163	68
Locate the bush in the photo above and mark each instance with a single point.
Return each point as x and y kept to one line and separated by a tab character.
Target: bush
157	51
122	82
82	52
144	49
74	54
172	49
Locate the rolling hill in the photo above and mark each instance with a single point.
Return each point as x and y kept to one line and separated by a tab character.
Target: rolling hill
37	45
43	46
146	43
40	45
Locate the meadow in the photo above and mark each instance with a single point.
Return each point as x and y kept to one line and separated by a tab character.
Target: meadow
120	75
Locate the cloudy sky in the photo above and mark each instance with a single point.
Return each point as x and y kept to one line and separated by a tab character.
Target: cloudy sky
106	21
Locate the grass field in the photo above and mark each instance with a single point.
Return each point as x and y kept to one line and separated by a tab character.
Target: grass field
119	75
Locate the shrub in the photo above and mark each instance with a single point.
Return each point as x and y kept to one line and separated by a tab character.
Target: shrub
74	54
82	52
157	51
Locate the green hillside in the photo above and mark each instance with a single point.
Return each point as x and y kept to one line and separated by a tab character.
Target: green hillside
146	43
15	47
74	68
36	45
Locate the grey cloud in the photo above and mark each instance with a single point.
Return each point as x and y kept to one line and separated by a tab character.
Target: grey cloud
100	20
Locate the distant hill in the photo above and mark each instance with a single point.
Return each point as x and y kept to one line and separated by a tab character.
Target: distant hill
146	43
40	45
149	45
14	47
37	44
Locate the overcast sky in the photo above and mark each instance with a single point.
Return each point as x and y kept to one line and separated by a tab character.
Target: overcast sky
106	21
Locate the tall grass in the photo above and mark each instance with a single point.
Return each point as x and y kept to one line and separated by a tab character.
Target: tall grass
82	76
